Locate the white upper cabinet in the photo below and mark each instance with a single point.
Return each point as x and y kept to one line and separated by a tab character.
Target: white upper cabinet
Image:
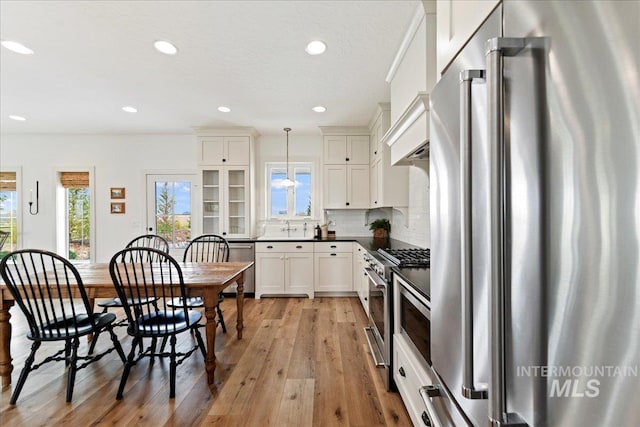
346	149
346	186
224	150
389	185
226	157
458	20
345	167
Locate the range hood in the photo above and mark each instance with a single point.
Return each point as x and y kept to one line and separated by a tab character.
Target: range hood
420	153
409	135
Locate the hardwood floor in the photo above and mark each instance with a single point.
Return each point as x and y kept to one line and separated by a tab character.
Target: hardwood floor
301	362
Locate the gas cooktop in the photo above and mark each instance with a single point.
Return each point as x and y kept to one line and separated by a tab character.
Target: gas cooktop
407	257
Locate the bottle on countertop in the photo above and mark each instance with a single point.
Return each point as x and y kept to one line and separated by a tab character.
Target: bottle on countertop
317	231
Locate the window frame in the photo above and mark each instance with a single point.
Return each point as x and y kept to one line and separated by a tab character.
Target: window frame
20	197
62	220
269	166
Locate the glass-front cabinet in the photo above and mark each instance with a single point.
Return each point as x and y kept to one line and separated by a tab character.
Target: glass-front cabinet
225	201
211	200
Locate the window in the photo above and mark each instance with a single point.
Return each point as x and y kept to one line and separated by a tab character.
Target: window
8	211
77	203
294	201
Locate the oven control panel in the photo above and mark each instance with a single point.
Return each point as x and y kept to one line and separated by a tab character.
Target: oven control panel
380	266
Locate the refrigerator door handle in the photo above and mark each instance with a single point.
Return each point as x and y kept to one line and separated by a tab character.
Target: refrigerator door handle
496	49
469	389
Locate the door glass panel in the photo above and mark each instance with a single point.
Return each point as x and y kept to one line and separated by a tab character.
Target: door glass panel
173	211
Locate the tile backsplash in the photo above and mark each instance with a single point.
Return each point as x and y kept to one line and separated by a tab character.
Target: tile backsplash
417	231
356	222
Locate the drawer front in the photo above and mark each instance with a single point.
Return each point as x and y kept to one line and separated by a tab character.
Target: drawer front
333	246
284	247
409	379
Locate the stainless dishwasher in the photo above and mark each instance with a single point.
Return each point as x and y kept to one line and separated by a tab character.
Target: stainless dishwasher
243	251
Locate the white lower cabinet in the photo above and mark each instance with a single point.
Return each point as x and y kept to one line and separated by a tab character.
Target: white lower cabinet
333	266
284	269
360	282
409	376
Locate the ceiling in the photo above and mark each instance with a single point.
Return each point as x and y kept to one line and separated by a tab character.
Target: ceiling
94	57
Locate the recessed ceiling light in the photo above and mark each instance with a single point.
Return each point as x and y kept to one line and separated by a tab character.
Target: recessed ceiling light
316	47
165	47
17	47
224	109
18	118
319	109
130	109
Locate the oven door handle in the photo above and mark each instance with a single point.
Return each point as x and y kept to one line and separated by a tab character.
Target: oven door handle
380	284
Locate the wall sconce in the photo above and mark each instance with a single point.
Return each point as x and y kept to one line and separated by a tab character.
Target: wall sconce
37	200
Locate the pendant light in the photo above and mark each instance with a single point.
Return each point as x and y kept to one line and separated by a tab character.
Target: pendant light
288	182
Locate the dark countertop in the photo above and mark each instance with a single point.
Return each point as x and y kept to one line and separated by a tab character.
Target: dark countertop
418	278
369	243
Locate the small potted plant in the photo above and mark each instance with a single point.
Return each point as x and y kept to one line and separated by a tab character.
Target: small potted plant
381	228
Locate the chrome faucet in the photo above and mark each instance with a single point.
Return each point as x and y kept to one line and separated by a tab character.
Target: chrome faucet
288	228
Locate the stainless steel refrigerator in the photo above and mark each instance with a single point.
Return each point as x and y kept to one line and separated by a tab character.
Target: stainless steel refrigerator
535	219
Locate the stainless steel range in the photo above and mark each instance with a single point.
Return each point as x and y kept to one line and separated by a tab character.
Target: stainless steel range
379	331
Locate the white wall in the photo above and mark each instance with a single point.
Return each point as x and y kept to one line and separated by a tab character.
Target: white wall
123	160
118	161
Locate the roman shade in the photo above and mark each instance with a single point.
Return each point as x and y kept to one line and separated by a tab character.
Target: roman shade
74	179
7	181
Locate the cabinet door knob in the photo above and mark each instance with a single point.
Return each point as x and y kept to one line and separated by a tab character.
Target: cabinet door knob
224	233
347	203
269	247
401	371
347	159
334	254
333	246
299	247
224	160
375	152
425	419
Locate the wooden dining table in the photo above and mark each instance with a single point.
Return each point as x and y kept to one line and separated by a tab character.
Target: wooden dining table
201	279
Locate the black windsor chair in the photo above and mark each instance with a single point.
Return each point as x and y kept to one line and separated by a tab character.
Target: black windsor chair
50	293
156	276
206	248
146	241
